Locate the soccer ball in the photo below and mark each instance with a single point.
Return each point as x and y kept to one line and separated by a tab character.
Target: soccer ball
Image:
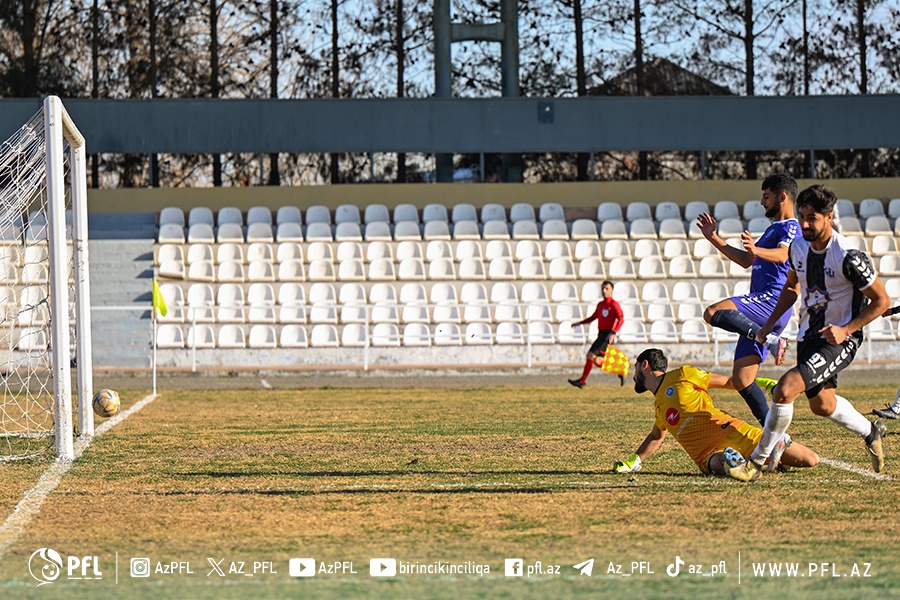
106	403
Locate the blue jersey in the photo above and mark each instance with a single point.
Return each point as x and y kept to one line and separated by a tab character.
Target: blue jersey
769	276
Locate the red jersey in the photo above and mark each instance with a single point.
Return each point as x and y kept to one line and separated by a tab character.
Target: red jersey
608	315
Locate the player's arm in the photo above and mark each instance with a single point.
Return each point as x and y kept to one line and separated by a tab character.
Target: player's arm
779	254
593	317
707	225
720	381
878	304
789	294
647	448
891	311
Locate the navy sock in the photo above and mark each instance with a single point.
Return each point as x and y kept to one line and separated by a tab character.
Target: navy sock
734	321
756	400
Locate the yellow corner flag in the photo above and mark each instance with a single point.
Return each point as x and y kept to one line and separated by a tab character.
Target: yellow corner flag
615	362
159	303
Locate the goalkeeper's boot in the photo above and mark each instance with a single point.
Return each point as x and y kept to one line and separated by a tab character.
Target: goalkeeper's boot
873	445
777	451
738	468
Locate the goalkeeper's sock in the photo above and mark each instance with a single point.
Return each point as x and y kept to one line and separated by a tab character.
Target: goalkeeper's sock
777	422
735	322
755	398
588	365
849	418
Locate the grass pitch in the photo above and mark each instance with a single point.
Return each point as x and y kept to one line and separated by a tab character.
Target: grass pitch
438	477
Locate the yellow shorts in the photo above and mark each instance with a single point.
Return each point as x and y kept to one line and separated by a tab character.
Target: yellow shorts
743	438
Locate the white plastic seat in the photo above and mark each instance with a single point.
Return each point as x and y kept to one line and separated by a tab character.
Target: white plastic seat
566	334
889	265
613	229
675	247
293	336
527	249
289	231
501	268
624	292
471	268
466	230
32	308
532	268
259	214
493	212
654	291
170	233
202	270
694	209
589	268
632	331
378	231
376	213
288	214
878	225
753	209
262	336
264	270
231	336
230	233
436	230
557	249
463	212
291	270
609	210
447	334
201	233
409	250
407	231
201	336
672	229
229	214
685	291
201	214
551	211
376	250
349	251
564	291
474	299
323	336
587	249
505	299
441	269
616	248
638	210
849	226
320	270
406	212
643	229
416	335
385	335
525	230
230	295
883	245
171	215
730	227
660	311
351	270
173	294
741	288
414	302
540	332
686	311
703	248
478	334
584	229
348	232
894	208
682	267
568	312
317	232
509	333
411	269
169	335
563	268
712	266
226	252
631	311
31	273
435	212
354	335
726	209
497	249
713	291
881	330
694	330
291	314
468	249
645	248
382	269
436	249
322	312
621	268
521	211
347	213
230	271
844	208
350	293
318	214
495	230
758	225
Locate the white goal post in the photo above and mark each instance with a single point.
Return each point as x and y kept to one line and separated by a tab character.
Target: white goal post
44	286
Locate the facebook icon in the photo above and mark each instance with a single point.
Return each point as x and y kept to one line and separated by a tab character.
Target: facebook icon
514	567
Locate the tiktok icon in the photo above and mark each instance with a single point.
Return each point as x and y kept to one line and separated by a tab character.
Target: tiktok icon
675	568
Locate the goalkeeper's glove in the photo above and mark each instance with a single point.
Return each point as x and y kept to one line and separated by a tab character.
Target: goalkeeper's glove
630	465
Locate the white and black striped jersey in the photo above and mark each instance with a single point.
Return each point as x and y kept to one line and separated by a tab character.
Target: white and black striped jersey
831	284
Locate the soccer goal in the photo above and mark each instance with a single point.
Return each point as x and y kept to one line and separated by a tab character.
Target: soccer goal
44	288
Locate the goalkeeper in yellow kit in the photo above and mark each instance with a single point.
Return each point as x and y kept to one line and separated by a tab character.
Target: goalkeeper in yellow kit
718	442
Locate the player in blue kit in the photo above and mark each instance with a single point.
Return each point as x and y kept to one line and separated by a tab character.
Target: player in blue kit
743	315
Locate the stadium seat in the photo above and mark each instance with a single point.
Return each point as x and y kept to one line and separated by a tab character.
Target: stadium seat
231	336
660	311
229	215
703	248
290	270
587	249
230	233
264	270
468	249
613	229
386	335
416	335
624	292
527	249
349	251
685	291
381	269
563	268
525	230
726	209
320	270
201	336
202	270
753	209
521	211
509	333
564	291
291	314
881	330
642	229
441	269
202	233
844	208
378	231
712	266
672	229
200	215
568	312
474	299
478	334
288	214
741	288
173	294
262	336
293	336
169	335
693	210
259	214
406	213
495	230
736	271
409	250
858	243
849	226
667	210
584	229
534	292
497	249
883	245
376	213
200	302
551	211
532	268
894	208
889	265
674	247
379	250
682	267
505	300
411	269
557	249
407	231
651	267
713	291
347	232
501	268
284	251
435	212
686	311
463	212
663	332
323	312
589	268
878	225
324	336
446	312
350	293
466	230
227	252
493	212
694	330
645	248
447	334
318	251
289	231
317	232
637	211
566	334
350	270
632	331
347	213
654	291
230	271
354	335
471	268
414	301
170	233
621	268
758	225
540	332
318	214
438	249
632	311
171	215
436	230
609	211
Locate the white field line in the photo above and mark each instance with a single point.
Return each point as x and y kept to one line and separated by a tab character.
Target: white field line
32	500
839	464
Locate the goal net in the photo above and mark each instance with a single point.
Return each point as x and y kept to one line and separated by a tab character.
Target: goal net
44	293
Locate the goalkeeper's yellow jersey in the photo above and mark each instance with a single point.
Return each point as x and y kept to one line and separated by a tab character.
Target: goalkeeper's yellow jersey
685	409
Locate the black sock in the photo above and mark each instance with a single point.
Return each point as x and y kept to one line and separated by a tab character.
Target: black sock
735	322
755	398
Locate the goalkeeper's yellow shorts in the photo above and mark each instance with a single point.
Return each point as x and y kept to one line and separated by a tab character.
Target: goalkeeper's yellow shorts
743	438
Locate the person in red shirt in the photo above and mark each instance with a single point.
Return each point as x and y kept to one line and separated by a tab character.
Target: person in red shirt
608	315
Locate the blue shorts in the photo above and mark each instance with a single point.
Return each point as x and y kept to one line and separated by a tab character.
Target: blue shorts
758	307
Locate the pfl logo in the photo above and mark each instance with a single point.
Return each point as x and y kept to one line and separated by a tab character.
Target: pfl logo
46	564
